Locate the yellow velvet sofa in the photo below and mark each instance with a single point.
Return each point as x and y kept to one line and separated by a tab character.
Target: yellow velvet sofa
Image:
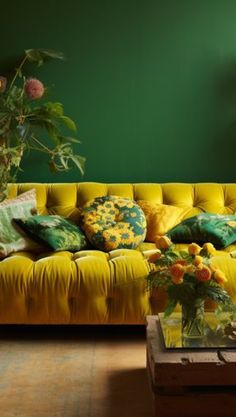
91	286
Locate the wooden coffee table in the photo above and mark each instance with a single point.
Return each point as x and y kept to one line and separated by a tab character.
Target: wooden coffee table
190	383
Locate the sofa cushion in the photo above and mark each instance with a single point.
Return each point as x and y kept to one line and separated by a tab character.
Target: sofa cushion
56	232
112	222
160	218
11	239
206	227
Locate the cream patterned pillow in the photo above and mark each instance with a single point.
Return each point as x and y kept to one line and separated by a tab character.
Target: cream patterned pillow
12	240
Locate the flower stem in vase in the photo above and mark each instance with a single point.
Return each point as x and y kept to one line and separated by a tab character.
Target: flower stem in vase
193	322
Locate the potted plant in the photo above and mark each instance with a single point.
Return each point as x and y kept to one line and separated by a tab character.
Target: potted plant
29	122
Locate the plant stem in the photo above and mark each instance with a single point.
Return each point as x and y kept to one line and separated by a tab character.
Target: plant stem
37	149
17	71
42	145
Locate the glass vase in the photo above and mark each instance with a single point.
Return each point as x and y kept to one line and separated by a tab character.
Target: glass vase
193	320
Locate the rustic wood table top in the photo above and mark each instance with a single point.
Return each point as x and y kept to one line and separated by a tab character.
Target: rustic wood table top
190	382
182	367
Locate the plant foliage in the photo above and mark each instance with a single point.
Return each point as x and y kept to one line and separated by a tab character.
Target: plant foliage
26	121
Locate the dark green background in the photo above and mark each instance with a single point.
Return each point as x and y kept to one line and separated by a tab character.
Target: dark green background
151	84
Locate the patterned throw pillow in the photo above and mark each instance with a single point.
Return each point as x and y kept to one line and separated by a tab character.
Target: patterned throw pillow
160	218
206	227
54	231
113	222
11	240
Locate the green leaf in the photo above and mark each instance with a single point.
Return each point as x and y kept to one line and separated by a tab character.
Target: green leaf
217	294
65	139
70	139
68	122
3	130
39	56
63	154
170	307
54	109
3	115
49	126
34	56
64	162
51	54
79	161
184	254
157	279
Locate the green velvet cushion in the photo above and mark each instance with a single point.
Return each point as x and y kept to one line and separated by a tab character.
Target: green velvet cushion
112	222
218	229
55	231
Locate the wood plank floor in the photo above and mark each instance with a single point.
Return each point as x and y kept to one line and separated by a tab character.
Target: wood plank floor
77	371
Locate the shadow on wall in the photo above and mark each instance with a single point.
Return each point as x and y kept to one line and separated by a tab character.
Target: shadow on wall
227	84
8	65
221	151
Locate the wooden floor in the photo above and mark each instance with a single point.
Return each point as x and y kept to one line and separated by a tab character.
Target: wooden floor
78	371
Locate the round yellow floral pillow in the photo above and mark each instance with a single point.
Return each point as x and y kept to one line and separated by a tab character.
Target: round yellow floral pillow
113	222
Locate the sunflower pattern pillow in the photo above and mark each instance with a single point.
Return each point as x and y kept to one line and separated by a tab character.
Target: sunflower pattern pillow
113	222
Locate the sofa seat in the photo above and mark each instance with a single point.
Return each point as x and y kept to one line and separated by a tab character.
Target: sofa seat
91	286
84	287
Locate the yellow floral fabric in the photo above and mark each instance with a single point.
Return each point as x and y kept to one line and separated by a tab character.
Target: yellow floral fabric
112	222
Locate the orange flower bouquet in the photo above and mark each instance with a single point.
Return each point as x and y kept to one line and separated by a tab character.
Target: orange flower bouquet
189	279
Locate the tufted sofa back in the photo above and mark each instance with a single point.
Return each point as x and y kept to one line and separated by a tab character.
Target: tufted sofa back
67	199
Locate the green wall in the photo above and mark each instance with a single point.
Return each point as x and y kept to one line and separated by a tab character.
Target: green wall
151	84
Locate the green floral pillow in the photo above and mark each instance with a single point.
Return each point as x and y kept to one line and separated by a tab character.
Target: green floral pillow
112	222
55	231
218	229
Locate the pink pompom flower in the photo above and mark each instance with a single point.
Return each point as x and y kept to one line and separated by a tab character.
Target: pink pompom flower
34	89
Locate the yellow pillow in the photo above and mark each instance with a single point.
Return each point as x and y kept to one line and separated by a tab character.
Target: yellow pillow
160	218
